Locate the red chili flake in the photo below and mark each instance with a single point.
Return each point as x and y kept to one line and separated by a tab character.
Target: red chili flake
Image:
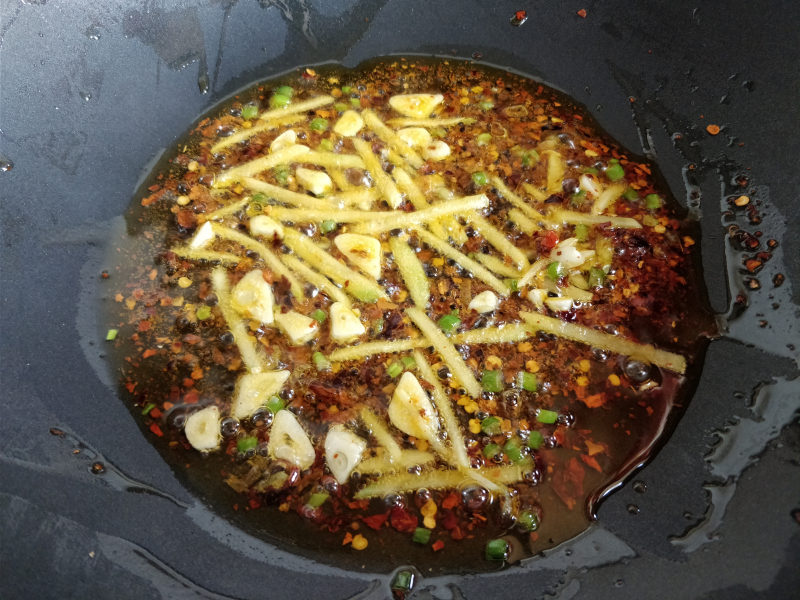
403	521
592	462
713	129
437	545
375	521
191	397
582	13
148	353
549	241
144	325
156	429
254	503
155	413
450	501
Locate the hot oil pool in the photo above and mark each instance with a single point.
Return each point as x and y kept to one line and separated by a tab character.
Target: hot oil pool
419	312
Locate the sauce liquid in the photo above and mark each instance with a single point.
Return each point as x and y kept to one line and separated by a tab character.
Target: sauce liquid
635	419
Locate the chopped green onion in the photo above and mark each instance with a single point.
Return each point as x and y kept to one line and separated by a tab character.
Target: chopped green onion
528	520
596	277
355	102
321	362
652	201
527	381
281	174
111	335
203	313
378	326
422	535
259	197
512	284
479	178
279	101
341	106
408	362
491	450
613	161
492	381
317	499
578	198
484	139
590	170
615	172
449	323
346	89
555	270
530	158
497	549
630	194
547	416
285	90
394	369
486	104
275	404
146	410
319	124
319	315
581	232
491	425
326	145
535	440
327	226
249	112
246	443
513	450
404	580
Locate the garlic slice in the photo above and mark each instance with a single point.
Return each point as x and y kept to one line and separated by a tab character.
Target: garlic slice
298	328
202	428
252	297
343	451
284	140
411	410
568	255
253	390
416	137
437	150
418	106
363	251
266	227
316	182
345	324
349	124
203	235
289	441
484	302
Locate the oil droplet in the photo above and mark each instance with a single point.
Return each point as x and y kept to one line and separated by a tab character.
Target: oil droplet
85	96
5	164
203	83
640	487
619	583
92	32
98	468
519	18
633	509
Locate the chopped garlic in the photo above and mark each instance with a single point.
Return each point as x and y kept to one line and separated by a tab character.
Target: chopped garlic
416	137
203	236
316	182
266	227
438	150
252	297
561	304
253	390
363	251
343	451
202	428
417	106
345	324
349	124
484	302
298	328
284	140
568	255
537	296
288	441
411	410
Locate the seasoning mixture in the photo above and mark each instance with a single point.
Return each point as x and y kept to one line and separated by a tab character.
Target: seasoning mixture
420	304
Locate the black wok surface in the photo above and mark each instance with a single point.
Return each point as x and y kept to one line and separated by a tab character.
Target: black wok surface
92	92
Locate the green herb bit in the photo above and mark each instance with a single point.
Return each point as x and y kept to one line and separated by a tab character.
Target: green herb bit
492	381
111	335
148	407
355	102
249	111
246	443
527	381
319	315
578	198
530	158
327	226
652	201
555	270
275	404
512	284
484	138
486	104
497	549
285	90
596	277
615	172
491	425
630	194
326	145
590	171
378	326
449	323
319	124
346	89
535	440
281	174
341	106
408	362
582	232
547	416
480	178
421	535
321	362
317	499
513	450
203	313
394	369
528	520
491	450
279	101
404	580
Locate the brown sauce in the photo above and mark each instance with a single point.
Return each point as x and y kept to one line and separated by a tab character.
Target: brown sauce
554	423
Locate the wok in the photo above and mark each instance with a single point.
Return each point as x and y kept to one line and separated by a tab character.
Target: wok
91	93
